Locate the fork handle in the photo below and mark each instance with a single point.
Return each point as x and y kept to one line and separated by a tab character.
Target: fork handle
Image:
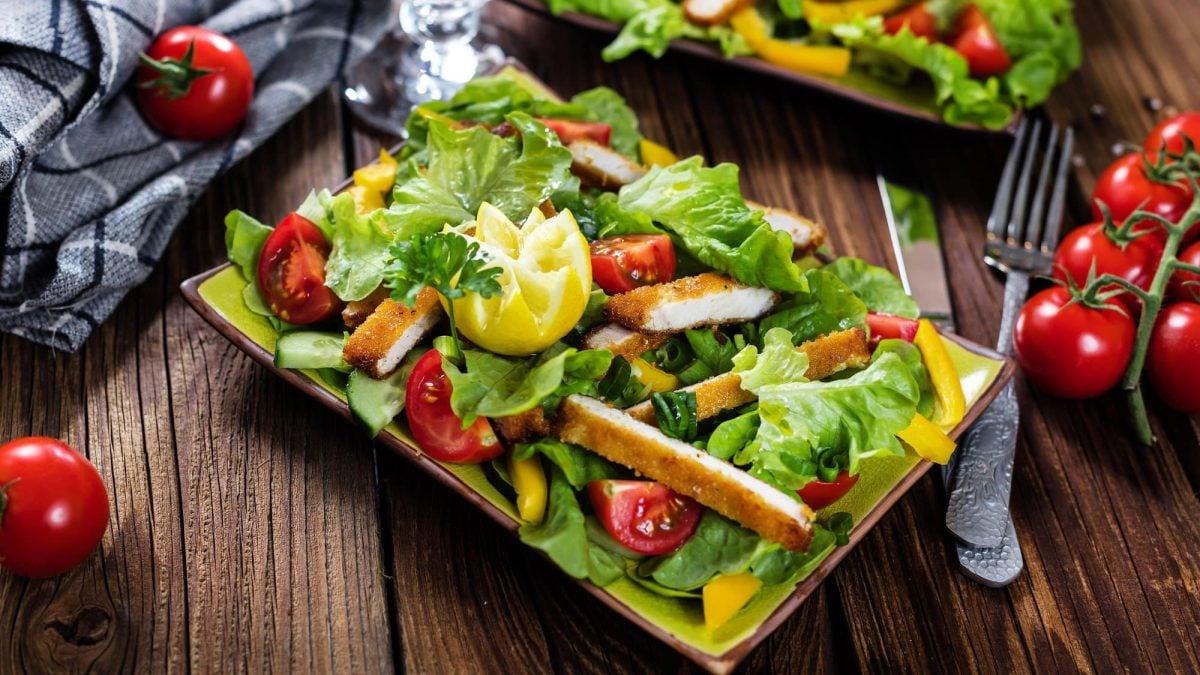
1016	287
977	512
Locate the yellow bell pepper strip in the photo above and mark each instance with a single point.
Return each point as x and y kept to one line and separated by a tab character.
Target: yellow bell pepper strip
820	60
379	176
840	12
434	115
366	200
654	377
529	480
950	404
654	154
928	440
724	596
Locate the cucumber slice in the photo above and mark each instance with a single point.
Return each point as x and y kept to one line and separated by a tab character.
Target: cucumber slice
375	403
310	349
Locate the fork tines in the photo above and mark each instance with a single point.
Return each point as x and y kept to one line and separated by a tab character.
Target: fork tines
1023	230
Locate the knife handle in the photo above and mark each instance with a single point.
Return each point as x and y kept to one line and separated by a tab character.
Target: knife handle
995	567
977	511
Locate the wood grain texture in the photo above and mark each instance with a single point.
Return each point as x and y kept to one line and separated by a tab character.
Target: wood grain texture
254	531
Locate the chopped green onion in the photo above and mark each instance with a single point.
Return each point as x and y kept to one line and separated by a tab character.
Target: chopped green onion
840	525
696	371
673	356
676	414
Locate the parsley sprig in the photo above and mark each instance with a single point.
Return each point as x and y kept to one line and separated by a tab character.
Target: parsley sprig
446	262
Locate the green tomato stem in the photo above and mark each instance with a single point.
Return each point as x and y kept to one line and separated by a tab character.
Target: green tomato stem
1152	301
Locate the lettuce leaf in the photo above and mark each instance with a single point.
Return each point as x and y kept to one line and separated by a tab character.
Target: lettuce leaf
244	239
650	26
878	288
704	210
860	413
565	536
496	386
562	534
602	104
578	465
911	356
490	99
829	306
360	249
1043	41
469	166
962	98
718	546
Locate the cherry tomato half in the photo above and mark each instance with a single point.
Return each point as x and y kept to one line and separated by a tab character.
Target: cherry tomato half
917	18
1124	186
574	130
621	264
891	327
291	272
1172	132
1186	285
53	507
208	104
1071	350
976	40
644	516
1090	245
1173	359
819	494
434	425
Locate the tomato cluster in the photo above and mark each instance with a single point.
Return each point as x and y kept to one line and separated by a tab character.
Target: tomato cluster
972	36
1076	340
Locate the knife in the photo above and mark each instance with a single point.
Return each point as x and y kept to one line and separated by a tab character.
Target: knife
917	246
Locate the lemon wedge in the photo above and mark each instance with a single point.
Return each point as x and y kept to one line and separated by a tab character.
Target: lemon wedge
546	276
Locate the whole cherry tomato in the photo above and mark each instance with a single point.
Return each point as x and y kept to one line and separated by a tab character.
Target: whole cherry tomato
644	516
194	84
1069	349
1124	186
53	507
1173	359
1186	285
1091	245
1172	131
433	423
291	272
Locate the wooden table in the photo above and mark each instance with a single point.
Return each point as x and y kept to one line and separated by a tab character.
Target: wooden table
252	529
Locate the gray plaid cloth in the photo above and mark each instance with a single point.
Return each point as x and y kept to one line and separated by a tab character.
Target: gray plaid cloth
90	193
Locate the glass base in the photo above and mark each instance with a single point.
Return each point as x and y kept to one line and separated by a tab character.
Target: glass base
382	89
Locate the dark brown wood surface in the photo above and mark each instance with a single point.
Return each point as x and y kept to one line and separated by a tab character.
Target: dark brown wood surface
252	530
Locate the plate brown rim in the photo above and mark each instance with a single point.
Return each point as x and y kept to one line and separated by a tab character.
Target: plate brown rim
722	663
710	53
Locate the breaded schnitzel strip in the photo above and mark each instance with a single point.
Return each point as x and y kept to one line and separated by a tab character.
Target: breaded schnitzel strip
378	345
622	341
717	484
703	300
827	355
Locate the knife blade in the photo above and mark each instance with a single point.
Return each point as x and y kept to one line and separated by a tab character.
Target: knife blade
918	249
916	243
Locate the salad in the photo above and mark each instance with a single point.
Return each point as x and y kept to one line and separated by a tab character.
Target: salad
671	383
975	61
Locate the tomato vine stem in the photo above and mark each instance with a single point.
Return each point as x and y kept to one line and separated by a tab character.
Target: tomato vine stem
1152	298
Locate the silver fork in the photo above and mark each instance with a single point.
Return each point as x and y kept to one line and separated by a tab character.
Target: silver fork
1022	233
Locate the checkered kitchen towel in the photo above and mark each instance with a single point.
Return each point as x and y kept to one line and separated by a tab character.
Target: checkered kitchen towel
89	193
